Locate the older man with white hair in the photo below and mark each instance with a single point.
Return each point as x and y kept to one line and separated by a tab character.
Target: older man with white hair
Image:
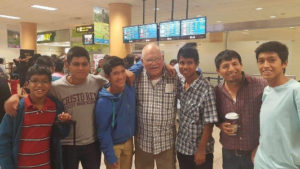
156	107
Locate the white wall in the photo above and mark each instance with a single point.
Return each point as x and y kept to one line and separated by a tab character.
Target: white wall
7	53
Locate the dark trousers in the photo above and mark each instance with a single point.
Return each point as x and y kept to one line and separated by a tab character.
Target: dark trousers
235	159
89	156
187	162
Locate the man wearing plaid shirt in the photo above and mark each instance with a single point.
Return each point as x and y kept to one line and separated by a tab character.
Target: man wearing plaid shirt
156	106
194	143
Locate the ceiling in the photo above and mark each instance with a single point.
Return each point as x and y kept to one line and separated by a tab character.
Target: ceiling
72	13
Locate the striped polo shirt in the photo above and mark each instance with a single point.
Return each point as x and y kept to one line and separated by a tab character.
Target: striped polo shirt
34	147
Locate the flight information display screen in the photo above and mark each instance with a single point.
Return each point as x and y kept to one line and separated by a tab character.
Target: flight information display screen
130	34
148	32
169	30
193	28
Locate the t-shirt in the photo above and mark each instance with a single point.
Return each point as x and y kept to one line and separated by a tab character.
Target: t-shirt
79	100
279	142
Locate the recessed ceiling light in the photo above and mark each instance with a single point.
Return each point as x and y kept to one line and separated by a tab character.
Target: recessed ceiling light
156	9
219	21
292	27
44	7
272	17
9	17
259	8
246	30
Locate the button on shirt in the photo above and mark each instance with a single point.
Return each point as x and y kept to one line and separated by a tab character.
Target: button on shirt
156	107
247	105
198	108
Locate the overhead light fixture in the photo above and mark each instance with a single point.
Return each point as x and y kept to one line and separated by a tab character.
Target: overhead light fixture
156	9
292	27
219	21
246	30
9	17
273	16
259	8
44	7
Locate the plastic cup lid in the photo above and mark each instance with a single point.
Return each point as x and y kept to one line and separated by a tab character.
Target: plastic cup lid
232	116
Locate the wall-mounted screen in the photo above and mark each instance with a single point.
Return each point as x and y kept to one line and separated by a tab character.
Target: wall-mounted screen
88	39
193	28
169	30
148	32
130	34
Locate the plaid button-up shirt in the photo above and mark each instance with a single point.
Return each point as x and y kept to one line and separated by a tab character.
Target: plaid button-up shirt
247	105
198	108
156	109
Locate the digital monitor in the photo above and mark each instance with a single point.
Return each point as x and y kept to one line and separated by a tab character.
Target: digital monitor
130	34
148	32
88	39
193	28
169	30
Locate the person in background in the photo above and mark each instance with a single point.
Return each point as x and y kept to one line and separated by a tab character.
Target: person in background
3	71
173	62
197	115
279	141
115	116
99	69
129	60
59	69
14	81
48	62
5	94
239	93
22	65
25	139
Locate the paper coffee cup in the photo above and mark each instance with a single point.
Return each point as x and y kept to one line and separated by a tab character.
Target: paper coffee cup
233	117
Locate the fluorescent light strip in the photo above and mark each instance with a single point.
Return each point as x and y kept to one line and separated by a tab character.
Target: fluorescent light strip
44	7
9	17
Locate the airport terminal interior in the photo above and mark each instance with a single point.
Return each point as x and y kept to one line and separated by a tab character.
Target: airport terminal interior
99	26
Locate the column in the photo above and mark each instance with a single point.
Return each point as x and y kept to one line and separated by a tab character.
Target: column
119	16
28	35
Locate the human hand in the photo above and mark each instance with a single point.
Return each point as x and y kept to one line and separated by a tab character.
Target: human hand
130	77
171	70
63	117
11	105
200	157
115	165
228	128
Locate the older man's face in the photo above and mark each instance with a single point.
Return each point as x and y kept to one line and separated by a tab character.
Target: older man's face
153	62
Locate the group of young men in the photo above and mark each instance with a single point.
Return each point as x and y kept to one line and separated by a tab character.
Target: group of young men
268	117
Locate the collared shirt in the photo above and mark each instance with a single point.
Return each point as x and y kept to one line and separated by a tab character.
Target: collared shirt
198	108
34	147
156	107
247	105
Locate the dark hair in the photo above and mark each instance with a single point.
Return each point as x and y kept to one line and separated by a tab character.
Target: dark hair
190	44
188	52
45	61
59	64
129	60
226	55
38	70
112	62
173	61
1	60
274	46
77	51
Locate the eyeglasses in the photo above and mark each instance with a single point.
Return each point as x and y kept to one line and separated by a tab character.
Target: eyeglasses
157	59
36	82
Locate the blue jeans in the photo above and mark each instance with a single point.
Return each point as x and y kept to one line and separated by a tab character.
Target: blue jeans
235	159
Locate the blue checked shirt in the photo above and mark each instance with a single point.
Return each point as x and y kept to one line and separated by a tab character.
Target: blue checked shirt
198	107
156	111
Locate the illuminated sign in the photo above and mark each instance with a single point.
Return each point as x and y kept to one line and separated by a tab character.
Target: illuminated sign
87	28
45	37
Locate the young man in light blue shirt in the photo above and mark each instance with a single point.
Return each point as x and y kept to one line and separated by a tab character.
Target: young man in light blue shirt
279	143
